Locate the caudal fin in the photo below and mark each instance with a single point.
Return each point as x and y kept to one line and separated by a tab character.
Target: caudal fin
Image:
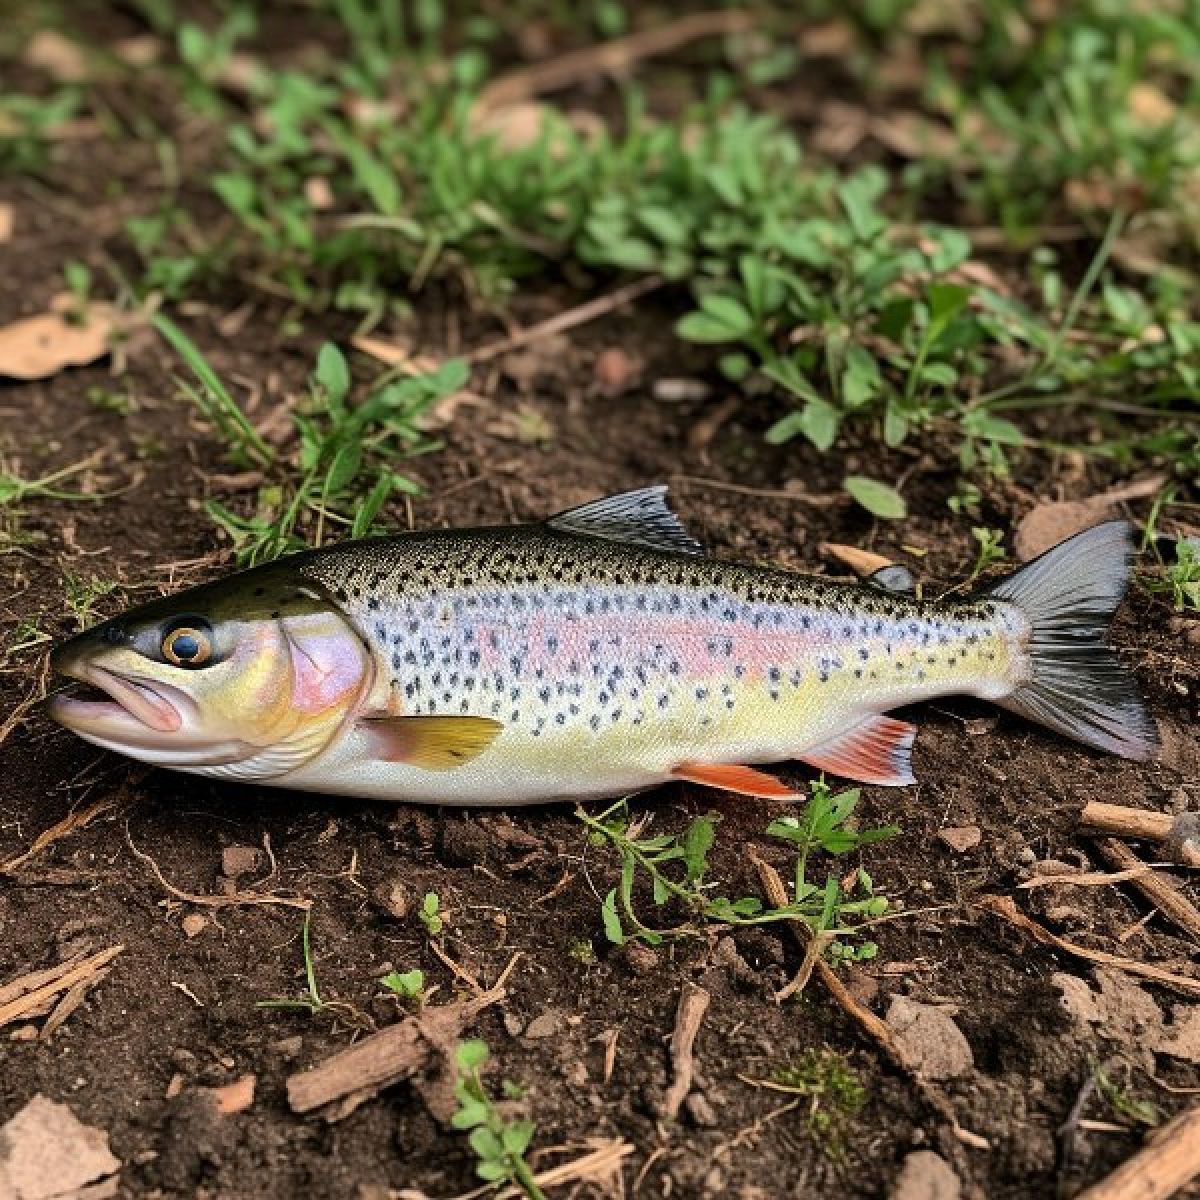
1069	595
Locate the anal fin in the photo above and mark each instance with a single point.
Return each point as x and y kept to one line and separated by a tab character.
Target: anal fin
433	743
733	777
878	751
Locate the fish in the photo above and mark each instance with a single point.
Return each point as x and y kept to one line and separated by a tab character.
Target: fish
596	654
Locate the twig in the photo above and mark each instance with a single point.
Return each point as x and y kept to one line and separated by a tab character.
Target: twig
812	953
76	819
397	1052
866	1020
1003	907
693	1004
608	58
1176	831
1151	884
230	901
761	493
1084	879
580	315
599	1165
1169	1161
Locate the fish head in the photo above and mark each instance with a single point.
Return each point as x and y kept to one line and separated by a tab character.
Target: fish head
249	677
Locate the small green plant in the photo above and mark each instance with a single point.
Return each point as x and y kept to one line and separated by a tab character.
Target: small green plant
675	867
833	1089
408	985
313	1003
499	1144
430	914
78	278
1122	1101
340	475
82	595
1181	579
990	543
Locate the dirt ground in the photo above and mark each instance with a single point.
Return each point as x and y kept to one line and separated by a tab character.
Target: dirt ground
177	1014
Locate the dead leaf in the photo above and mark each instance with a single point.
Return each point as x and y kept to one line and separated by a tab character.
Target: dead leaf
514	126
961	838
1048	524
47	1152
913	135
61	59
8	218
39	347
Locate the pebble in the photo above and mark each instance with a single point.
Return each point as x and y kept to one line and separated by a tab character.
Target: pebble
961	838
925	1176
239	861
929	1039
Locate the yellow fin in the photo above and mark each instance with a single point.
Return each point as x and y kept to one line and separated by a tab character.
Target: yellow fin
433	743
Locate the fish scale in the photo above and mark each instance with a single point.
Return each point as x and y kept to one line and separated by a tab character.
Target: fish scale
595	654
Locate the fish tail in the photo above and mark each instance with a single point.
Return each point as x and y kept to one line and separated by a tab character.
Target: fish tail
1078	687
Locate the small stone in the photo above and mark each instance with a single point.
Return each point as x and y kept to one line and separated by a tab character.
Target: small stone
701	1111
929	1039
394	897
640	959
513	1024
238	861
545	1025
194	923
961	838
24	1033
46	1151
613	371
925	1176
289	1048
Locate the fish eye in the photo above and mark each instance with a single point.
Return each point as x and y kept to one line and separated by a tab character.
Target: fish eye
187	646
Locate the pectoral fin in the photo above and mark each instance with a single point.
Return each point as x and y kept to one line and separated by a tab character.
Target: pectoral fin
732	777
433	743
879	751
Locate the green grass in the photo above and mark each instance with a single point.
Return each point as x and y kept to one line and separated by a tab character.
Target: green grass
894	297
674	869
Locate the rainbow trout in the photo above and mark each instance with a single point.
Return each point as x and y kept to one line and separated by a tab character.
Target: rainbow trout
596	654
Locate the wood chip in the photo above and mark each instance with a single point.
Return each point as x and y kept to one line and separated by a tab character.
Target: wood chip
24	996
1003	907
8	219
689	1016
400	1051
47	1153
235	1097
862	562
1168	1162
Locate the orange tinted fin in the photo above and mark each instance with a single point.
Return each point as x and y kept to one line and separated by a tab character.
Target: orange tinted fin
877	751
734	778
434	743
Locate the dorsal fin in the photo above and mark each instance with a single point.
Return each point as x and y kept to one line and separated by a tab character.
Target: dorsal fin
641	516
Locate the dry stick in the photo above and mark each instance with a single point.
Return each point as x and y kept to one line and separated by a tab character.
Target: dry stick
1154	886
600	1165
568	70
1003	907
693	1004
1085	879
74	820
231	901
1169	1161
579	315
866	1020
386	1057
30	1001
1098	817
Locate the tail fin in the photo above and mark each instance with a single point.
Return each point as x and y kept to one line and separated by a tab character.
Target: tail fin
1069	595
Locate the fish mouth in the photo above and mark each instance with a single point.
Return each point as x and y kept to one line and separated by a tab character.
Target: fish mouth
132	705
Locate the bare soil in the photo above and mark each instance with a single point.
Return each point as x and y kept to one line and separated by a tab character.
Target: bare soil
179	1013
